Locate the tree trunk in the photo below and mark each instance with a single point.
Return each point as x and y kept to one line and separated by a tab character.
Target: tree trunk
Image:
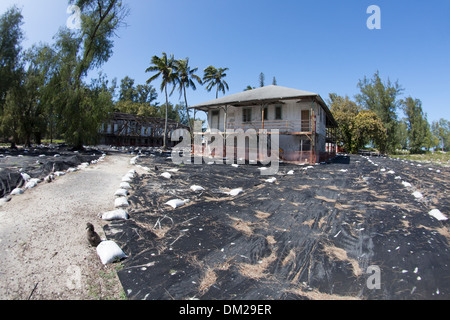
167	117
187	111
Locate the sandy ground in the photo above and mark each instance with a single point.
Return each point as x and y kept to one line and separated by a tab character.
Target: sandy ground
43	247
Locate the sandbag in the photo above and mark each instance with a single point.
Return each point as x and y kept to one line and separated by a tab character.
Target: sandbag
437	214
235	192
166	175
17	191
121	202
118	214
126	179
197	188
176	203
121	193
125	185
109	252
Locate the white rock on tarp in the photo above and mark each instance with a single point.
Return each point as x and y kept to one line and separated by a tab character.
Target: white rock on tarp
121	202
344	170
17	191
109	252
435	213
234	192
119	214
235	165
166	175
121	193
197	188
291	172
173	170
176	203
391	172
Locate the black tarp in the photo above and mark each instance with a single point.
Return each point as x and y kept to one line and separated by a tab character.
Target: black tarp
311	235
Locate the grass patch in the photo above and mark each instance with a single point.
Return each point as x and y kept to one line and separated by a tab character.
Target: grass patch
440	158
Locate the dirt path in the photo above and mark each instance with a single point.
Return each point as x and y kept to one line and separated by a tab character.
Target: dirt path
43	247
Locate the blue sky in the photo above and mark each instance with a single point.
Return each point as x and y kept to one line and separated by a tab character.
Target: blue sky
322	46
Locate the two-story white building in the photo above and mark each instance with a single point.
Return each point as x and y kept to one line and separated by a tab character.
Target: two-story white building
307	128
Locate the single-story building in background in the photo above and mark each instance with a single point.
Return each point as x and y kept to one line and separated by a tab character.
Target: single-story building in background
307	128
131	130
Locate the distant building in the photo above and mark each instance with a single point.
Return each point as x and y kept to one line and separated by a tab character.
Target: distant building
132	130
306	125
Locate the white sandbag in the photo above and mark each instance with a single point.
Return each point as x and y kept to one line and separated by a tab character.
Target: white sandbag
118	214
26	177
197	188
176	203
406	184
417	195
109	252
121	202
173	170
121	193
126	179
166	175
235	192
59	173
70	170
125	185
17	191
435	213
32	183
133	160
271	180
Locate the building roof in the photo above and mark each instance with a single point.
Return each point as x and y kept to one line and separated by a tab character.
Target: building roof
265	95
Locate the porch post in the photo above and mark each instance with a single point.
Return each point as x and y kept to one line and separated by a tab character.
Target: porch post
262	116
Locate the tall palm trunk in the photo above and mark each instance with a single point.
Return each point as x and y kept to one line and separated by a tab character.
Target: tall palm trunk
167	117
187	111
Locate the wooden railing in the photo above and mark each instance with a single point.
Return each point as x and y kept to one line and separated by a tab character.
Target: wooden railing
282	125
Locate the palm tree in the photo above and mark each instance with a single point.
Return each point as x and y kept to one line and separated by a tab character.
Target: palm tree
214	78
185	77
165	67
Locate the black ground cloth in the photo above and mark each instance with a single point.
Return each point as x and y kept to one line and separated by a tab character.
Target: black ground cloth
311	235
37	163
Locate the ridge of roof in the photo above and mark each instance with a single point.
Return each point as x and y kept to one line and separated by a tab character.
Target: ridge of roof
271	92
